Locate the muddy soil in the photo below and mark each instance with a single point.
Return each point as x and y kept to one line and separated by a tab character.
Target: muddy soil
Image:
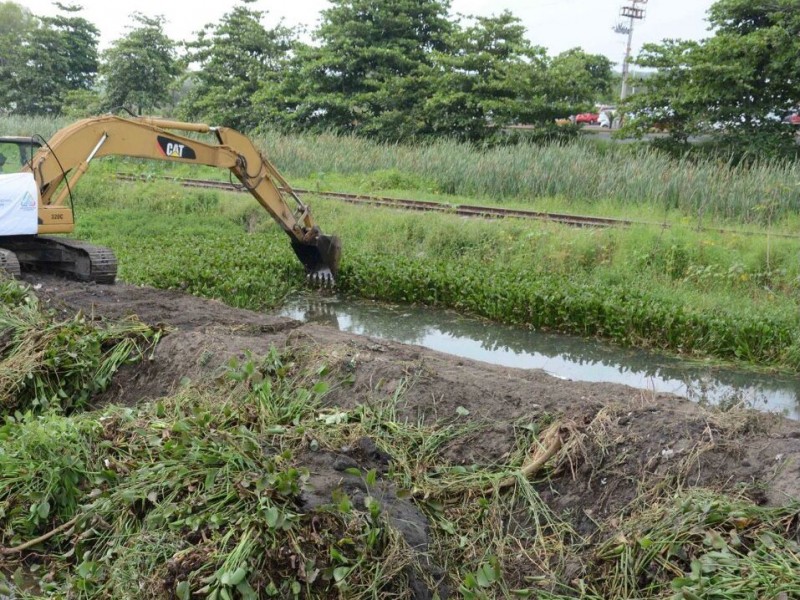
623	442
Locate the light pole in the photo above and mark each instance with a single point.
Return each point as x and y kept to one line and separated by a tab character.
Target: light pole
633	12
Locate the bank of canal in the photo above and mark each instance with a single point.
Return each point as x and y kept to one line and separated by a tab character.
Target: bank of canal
563	356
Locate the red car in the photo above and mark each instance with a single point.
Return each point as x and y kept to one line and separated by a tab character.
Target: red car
795	119
588	118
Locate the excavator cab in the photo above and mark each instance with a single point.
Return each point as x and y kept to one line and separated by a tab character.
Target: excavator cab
16	152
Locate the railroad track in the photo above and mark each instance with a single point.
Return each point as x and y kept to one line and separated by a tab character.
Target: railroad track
466	210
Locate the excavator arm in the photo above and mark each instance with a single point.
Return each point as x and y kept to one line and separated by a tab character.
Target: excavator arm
62	161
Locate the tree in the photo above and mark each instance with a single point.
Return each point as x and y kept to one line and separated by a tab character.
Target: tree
577	79
485	79
140	67
80	104
16	24
492	77
58	55
734	86
368	75
234	59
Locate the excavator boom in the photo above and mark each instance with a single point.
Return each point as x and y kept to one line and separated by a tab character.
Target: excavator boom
60	163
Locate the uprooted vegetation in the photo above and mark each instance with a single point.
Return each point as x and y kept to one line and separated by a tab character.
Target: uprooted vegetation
336	466
49	362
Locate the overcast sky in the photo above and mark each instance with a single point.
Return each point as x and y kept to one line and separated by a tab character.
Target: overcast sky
556	24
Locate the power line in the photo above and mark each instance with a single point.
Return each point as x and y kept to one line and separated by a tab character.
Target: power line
633	12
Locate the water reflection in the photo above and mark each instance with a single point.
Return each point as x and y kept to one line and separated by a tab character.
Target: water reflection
563	356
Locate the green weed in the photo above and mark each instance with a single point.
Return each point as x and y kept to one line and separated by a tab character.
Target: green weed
726	296
48	363
701	545
581	174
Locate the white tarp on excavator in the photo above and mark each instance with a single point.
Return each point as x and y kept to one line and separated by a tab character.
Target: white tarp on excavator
18	204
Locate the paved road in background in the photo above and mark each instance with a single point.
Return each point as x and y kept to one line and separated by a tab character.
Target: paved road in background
603	133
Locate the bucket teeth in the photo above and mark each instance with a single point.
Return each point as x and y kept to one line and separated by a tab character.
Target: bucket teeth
320	257
323	279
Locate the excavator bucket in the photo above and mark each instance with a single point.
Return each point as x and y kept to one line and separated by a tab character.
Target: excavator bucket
321	258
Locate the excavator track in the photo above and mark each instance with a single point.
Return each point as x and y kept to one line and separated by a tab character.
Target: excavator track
9	263
63	256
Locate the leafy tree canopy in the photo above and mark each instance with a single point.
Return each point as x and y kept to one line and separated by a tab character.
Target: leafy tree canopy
16	23
577	79
141	66
403	69
388	69
367	75
58	54
232	60
487	77
735	86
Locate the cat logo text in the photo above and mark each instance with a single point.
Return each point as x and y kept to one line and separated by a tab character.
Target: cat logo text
174	149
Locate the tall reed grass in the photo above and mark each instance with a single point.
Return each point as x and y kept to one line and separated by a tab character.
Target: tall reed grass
582	172
21	125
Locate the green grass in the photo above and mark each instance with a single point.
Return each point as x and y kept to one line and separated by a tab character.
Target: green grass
577	177
580	172
704	294
201	494
29	126
386	184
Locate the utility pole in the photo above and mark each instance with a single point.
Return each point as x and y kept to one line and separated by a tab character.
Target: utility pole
632	12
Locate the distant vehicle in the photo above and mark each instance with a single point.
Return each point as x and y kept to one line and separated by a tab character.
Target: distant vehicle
606	114
793	120
587	118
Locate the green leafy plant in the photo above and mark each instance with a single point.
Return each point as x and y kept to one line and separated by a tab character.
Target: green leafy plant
61	364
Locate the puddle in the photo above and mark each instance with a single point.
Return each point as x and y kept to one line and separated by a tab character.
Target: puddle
563	356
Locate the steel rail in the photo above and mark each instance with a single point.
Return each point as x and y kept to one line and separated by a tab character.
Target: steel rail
465	210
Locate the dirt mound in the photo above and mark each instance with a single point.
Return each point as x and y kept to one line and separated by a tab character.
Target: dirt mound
204	335
152	306
625	441
622	442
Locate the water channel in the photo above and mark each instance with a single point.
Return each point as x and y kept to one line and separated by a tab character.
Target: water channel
562	356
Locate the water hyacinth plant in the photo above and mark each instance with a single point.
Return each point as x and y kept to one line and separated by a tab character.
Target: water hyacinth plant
51	363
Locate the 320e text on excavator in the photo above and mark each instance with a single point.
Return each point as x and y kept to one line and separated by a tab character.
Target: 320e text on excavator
35	200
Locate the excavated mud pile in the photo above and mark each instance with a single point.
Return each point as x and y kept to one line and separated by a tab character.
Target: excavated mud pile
617	443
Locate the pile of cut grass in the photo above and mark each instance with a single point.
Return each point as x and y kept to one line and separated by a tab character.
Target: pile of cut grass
193	495
699	544
202	492
47	363
201	495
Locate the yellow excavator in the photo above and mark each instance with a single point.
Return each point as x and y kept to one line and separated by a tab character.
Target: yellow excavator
34	196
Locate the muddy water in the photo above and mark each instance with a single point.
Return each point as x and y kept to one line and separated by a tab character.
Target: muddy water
563	356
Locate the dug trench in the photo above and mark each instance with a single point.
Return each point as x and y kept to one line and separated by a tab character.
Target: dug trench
616	450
